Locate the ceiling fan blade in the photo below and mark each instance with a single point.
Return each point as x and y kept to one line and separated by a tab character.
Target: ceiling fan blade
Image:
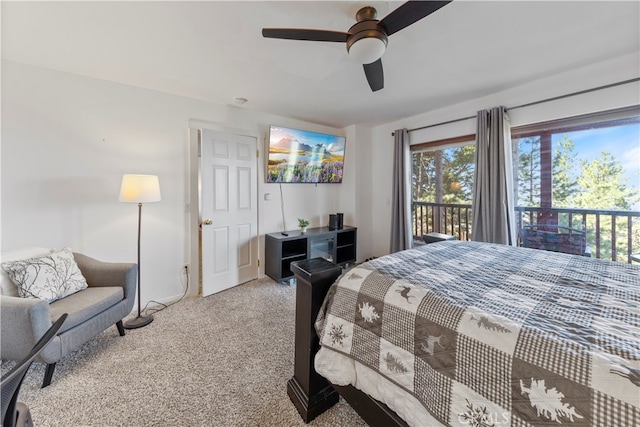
305	34
374	74
409	13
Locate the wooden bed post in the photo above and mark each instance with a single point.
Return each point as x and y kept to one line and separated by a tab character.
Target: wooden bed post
311	393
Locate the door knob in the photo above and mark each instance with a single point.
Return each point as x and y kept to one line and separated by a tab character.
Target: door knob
207	222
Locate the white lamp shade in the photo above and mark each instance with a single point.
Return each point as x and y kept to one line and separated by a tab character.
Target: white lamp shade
139	188
367	50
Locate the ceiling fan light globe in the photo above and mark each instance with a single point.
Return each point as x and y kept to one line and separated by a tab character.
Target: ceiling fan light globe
367	50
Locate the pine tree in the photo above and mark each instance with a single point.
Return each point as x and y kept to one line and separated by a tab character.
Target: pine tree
529	172
602	186
423	187
458	170
565	182
423	178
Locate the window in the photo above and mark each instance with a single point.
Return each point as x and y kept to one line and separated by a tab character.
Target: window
580	172
583	173
442	185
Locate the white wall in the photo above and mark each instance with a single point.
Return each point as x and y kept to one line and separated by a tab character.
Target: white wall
66	142
594	75
356	193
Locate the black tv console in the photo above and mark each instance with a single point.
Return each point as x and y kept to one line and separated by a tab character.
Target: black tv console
338	246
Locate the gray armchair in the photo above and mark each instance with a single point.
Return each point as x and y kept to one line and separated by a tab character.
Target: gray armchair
16	413
107	300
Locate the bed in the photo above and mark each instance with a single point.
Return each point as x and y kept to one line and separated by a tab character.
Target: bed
469	333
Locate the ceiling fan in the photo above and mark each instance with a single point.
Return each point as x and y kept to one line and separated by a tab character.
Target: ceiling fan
367	39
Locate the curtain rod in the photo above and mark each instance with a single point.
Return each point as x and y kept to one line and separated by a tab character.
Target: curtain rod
555	98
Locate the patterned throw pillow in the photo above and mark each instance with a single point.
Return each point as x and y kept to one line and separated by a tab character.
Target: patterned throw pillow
48	277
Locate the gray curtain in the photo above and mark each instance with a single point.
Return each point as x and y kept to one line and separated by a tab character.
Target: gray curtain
401	236
493	187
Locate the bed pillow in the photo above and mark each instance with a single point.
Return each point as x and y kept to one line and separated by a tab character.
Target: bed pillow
7	287
49	277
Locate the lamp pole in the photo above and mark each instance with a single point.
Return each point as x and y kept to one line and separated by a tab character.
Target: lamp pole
140	320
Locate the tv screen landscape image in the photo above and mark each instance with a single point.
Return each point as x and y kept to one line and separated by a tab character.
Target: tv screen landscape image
302	156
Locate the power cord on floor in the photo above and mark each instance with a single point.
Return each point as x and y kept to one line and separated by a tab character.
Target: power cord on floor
163	306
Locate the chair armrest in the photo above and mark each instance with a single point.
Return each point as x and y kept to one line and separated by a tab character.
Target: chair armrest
22	322
100	273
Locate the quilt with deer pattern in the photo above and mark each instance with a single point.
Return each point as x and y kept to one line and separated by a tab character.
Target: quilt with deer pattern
489	335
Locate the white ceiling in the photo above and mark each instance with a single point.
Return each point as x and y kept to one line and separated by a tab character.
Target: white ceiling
214	50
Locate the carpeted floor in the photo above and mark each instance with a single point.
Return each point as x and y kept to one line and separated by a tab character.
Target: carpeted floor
222	360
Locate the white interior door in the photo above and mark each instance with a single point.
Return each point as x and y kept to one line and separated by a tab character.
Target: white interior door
229	213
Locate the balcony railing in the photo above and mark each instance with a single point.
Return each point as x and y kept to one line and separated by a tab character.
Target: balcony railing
448	218
611	234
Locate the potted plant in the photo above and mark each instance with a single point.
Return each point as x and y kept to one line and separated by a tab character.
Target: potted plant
303	224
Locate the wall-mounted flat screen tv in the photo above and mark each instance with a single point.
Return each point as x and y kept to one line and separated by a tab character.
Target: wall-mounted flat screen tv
302	156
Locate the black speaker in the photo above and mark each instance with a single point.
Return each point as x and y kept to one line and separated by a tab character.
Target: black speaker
333	221
340	219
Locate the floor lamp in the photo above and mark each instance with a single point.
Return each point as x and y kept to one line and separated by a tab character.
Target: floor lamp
139	189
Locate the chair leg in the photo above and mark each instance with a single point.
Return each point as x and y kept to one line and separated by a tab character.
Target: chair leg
48	375
120	326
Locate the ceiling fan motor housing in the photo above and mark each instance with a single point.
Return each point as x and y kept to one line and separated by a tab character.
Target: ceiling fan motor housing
367	29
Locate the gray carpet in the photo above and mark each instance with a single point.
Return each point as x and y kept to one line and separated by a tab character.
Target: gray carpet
222	360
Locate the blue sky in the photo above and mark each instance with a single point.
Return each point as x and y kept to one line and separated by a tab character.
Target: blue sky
623	142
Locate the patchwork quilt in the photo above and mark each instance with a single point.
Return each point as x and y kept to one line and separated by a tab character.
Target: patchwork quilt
491	335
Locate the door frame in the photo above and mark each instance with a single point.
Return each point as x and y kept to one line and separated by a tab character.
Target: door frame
193	205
